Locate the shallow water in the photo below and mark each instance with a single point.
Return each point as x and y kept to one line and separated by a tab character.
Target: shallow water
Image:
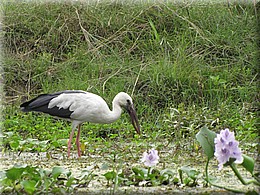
98	185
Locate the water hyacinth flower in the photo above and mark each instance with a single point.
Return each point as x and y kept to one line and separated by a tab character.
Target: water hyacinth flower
226	147
151	158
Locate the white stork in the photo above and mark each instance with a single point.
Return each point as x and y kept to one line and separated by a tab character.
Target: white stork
79	106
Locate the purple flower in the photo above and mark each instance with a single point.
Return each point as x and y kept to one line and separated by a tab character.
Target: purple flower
226	147
150	159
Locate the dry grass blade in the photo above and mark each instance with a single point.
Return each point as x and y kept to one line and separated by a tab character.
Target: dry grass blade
89	38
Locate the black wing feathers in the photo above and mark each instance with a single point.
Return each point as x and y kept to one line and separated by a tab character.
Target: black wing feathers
40	104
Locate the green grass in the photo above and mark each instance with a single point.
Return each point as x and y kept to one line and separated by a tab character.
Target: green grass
199	59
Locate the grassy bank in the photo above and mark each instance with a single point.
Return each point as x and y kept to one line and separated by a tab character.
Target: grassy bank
185	65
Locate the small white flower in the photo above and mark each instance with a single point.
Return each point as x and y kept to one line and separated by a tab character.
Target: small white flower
151	158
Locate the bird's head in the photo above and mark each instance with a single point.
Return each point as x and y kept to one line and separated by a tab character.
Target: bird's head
125	101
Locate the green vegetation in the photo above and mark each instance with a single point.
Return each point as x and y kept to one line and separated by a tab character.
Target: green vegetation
185	65
199	58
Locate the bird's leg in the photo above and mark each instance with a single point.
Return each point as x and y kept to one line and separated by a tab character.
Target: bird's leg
77	141
69	143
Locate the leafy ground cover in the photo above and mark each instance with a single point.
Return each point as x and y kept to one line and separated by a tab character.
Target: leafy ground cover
186	65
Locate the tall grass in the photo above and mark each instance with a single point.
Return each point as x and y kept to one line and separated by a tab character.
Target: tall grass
163	54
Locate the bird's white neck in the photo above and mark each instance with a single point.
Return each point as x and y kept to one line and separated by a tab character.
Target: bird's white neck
114	114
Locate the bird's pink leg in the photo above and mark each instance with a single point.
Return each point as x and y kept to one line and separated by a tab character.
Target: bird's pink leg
69	143
77	141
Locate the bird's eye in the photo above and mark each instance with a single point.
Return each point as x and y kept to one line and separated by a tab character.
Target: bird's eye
128	101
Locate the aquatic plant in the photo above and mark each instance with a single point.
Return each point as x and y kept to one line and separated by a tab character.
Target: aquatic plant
151	158
226	148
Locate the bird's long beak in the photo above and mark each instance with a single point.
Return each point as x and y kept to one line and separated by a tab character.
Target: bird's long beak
131	111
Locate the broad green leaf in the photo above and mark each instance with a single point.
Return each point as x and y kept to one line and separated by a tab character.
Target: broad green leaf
57	171
187	180
110	175
191	172
167	172
69	181
29	186
206	139
140	172
121	178
14	173
55	143
248	163
62	142
14	144
155	171
85	174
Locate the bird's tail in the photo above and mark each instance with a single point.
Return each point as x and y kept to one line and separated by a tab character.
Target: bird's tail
36	103
40	104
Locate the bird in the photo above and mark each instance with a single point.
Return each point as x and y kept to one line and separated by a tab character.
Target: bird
80	106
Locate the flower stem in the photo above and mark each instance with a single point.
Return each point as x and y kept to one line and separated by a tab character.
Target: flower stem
206	171
149	170
226	188
254	182
234	168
